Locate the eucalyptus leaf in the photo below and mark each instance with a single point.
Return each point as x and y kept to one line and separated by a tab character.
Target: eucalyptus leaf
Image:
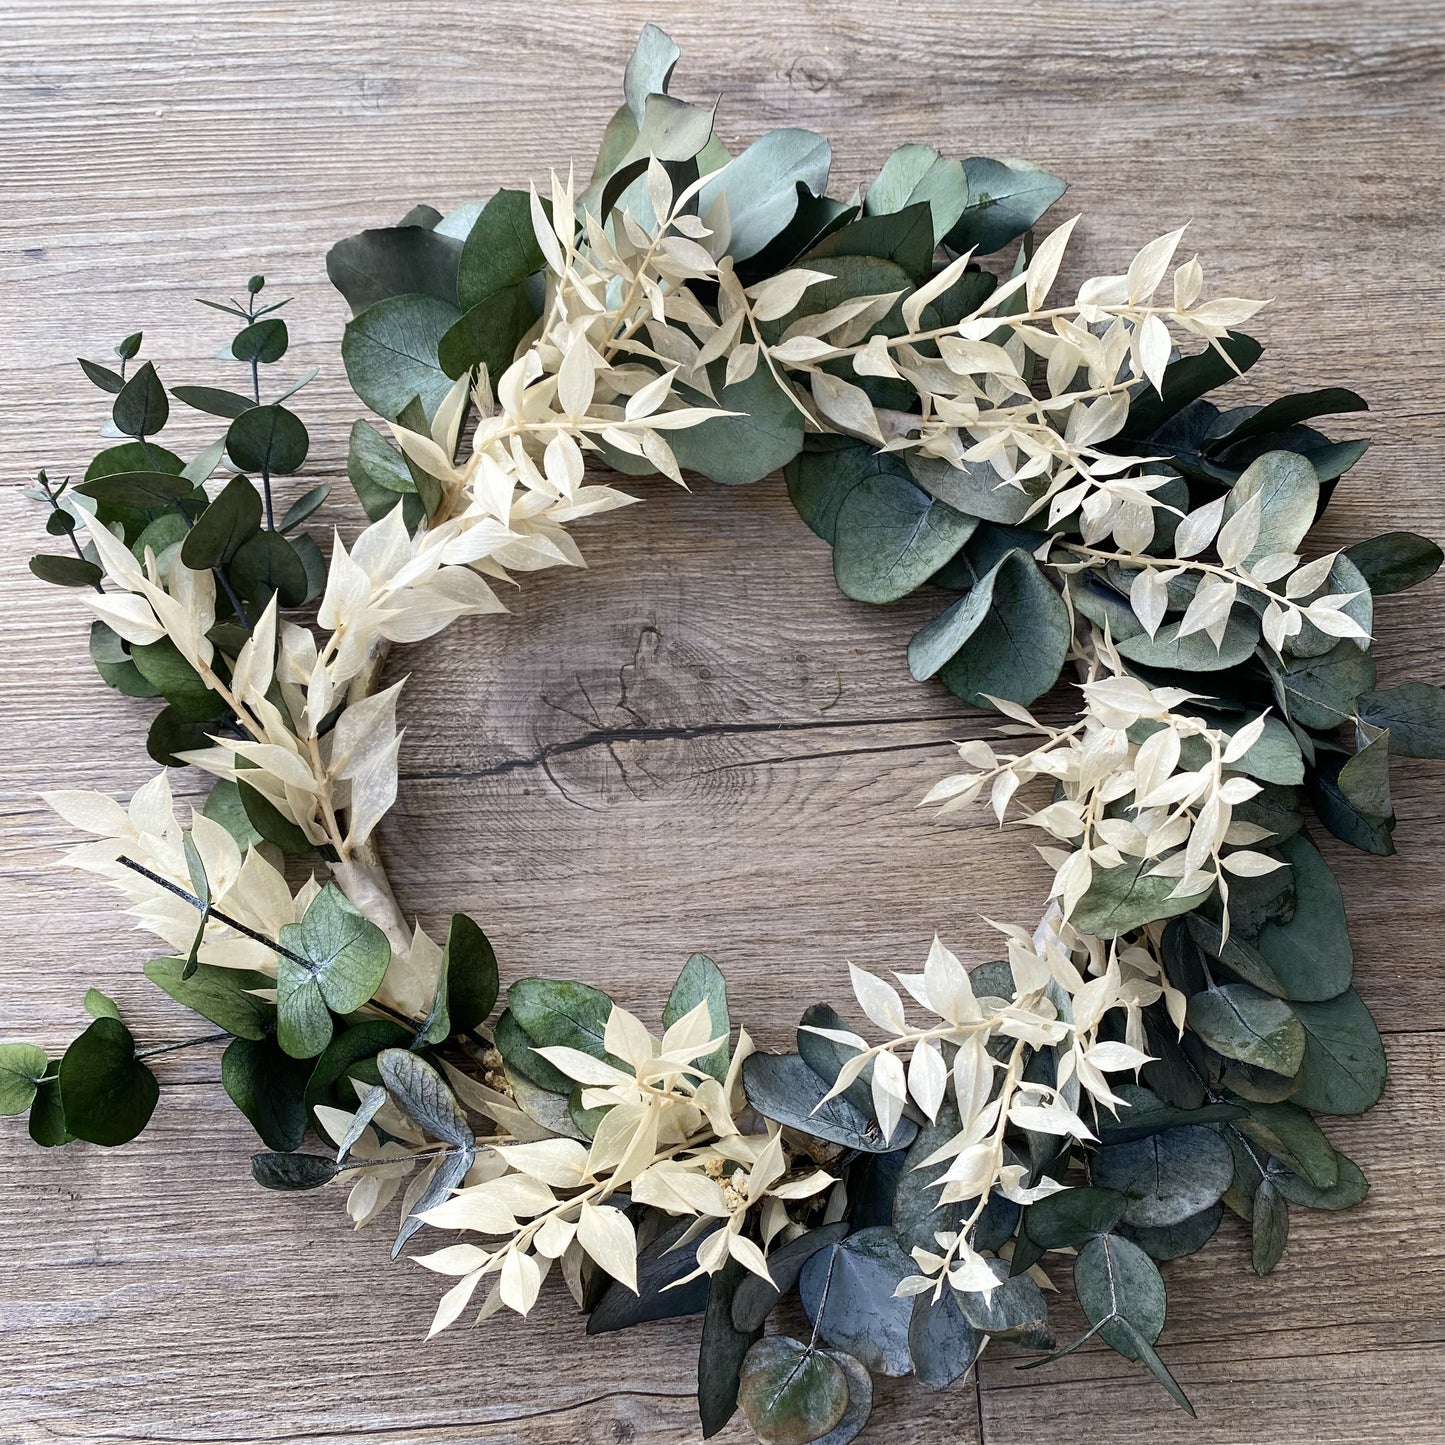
848	1294
1165	1177
1320	692
1174	1241
941	1342
262	342
660	1265
141	408
725	1343
1121	899
390	353
268	565
790	1393
702	980
1348	1190
1005	199
561	1013
213	400
764	436
1344	1066
422	1094
761	186
269	1088
754	1298
1414	715
268	439
394	261
916	174
221	530
1240	1022
783	1088
22	1067
1072	1216
344	957
293	1171
221	995
1395	561
109	1093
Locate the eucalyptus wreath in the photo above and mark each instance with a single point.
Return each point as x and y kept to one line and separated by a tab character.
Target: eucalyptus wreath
1154	1052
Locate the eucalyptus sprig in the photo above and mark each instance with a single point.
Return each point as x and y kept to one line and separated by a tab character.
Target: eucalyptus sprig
1054	471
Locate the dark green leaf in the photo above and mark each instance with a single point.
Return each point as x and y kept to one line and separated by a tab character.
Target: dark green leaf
394	261
145	490
102	376
1291	1134
352	1055
268	565
218	994
1361	830
1015	1309
906	239
1148	1114
221	530
133	457
22	1067
523	1062
47	1114
1320	692
791	1395
109	1094
268	820
172	734
1072	1216
269	1088
658	1296
141	407
734	451
819	481
1344	1066
268	439
129	348
1364	781
293	1171
701	981
1117	1282
1311	954
1174	1241
63	571
847	1292
1395	561
1270	1228
559	1012
390	352
783	1088
213	400
1187	379
1348	1190
1167	1176
1414	714
1005	198
501	250
1240	1022
1006	637
263	341
304	506
113	662
754	1298
1289	411
941	1342
469	967
488	333
163	666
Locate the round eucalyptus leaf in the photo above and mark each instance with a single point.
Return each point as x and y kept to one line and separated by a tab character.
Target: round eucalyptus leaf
1005	199
848	1293
765	435
268	1087
141	407
754	1297
109	1094
22	1067
1166	1177
223	527
791	1395
942	1343
561	1013
218	994
1068	1218
266	565
262	341
270	440
1174	1241
1344	1066
1015	1308
390	353
860	1401
1395	562
782	1087
701	980
761	186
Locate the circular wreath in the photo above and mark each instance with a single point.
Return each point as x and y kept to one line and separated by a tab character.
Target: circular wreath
1153	1052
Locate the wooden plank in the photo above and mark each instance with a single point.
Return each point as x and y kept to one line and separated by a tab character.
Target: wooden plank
696	743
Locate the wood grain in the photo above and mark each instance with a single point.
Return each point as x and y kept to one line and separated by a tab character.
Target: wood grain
697	742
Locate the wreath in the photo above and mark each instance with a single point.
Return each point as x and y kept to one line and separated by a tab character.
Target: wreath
1154	1052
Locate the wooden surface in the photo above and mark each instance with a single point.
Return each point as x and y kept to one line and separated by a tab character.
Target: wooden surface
697	743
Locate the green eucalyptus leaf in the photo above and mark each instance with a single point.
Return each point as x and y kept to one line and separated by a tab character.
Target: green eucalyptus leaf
761	186
1118	1283
1241	1022
344	957
46	1124
766	435
304	506
848	1293
144	490
1187	379
790	1393
860	1401
1005	199
221	530
905	238
271	824
890	536
221	995
977	489
469	967
293	1171
390	353
1289	411
1121	899
1269	1228
501	250
351	1056
488	333
394	261
99	1005
659	1296
702	980
1174	1241
1148	1114
1348	1190
819	481
1072	1216
561	1013
1395	561
941	1342
783	1088
262	341
1015	1309
109	1094
22	1067
1344	1068
917	174
516	1048
1291	1135
269	1087
268	565
1311	954
1320	692
213	400
1414	715
1166	1177
649	69
1366	831
103	376
63	571
754	1298
141	407
165	668
268	439
171	733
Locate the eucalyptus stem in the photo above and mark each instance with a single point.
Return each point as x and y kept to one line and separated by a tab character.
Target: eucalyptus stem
184	1044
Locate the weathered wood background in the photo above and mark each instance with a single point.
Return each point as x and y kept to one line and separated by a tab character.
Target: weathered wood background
697	743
